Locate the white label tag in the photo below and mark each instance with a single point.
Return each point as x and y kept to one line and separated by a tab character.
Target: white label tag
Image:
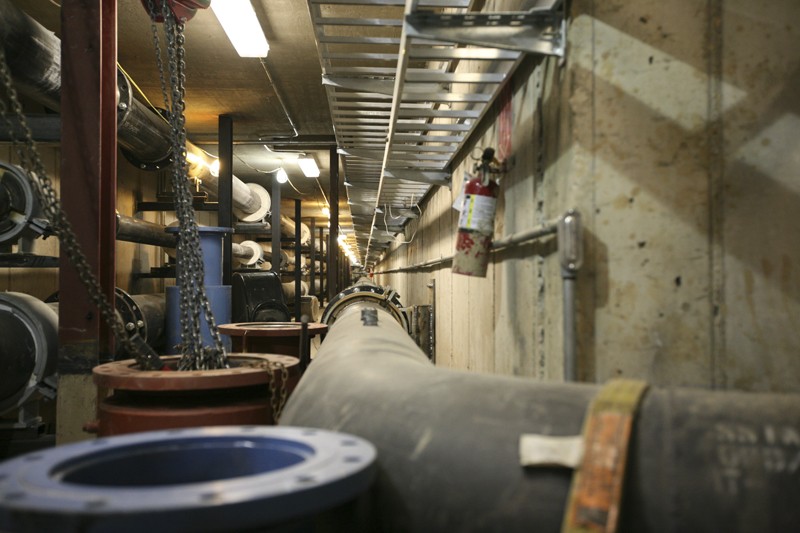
543	450
477	213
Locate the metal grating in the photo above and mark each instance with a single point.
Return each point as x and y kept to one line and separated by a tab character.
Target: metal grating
407	82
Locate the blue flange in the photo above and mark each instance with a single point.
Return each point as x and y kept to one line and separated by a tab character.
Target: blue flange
226	478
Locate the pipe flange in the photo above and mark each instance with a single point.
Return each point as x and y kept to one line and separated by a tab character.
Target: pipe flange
205	479
363	292
20	214
262	211
131	315
246	370
28	347
271	329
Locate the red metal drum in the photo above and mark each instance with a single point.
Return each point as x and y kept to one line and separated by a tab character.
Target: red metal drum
243	394
270	337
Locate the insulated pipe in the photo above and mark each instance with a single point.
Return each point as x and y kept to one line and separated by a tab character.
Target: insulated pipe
140	313
289	290
34	57
288	229
448	442
131	229
28	348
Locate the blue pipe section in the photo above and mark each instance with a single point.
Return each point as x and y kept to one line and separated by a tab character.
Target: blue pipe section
219	295
231	478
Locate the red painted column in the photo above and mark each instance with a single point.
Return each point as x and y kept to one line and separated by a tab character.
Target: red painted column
88	194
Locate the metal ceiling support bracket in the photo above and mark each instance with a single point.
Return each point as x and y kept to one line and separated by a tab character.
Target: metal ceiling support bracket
400	128
536	31
370	85
432	177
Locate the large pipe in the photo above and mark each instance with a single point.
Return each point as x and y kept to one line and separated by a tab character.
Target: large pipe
28	349
448	442
131	229
34	57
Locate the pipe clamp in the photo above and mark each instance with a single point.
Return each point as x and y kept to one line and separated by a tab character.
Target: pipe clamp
596	493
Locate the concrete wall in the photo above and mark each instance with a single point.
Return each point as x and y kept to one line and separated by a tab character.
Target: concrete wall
672	127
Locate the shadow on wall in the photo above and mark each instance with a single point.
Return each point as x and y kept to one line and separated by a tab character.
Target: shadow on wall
592	285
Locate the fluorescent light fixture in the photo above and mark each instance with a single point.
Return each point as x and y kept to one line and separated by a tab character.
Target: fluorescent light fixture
309	167
342	238
347	184
239	21
214	168
282	176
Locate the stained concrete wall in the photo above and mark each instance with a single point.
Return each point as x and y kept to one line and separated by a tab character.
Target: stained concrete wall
672	127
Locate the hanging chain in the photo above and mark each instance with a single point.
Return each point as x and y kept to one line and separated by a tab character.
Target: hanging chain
157	45
277	397
31	162
189	266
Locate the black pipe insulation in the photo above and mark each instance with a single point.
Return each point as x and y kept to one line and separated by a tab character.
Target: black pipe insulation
28	348
131	229
29	49
699	461
33	54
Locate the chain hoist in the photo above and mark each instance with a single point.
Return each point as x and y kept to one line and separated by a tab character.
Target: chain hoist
189	265
31	162
277	396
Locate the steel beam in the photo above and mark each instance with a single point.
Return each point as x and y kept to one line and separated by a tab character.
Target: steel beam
225	192
88	195
333	243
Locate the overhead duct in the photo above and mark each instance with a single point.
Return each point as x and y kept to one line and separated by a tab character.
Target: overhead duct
34	57
449	442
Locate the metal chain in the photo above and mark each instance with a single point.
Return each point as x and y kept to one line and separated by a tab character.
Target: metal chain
31	162
189	268
157	45
277	397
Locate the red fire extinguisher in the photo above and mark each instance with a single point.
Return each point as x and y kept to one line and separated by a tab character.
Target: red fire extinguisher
476	222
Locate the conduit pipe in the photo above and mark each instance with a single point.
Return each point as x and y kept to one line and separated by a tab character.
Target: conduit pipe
448	442
569	230
34	58
131	229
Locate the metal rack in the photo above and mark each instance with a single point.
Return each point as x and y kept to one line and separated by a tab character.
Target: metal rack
407	82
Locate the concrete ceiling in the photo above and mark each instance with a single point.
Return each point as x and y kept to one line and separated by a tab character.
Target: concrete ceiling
279	101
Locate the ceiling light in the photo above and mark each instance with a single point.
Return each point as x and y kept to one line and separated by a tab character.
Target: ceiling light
309	167
282	176
326	211
214	168
347	183
239	21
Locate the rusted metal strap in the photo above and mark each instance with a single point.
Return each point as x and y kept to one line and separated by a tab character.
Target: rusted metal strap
596	493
